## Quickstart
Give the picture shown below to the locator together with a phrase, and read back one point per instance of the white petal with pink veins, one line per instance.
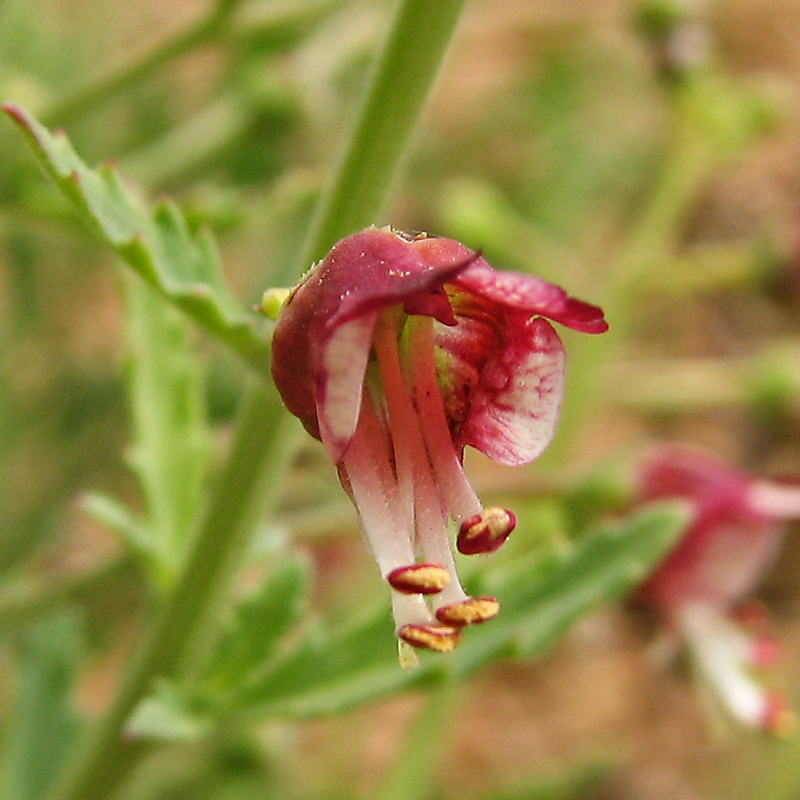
(516, 404)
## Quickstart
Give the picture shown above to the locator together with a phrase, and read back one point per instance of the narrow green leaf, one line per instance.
(333, 670)
(182, 267)
(580, 781)
(117, 517)
(259, 625)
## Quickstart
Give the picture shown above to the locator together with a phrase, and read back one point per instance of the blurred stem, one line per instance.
(412, 776)
(690, 163)
(654, 237)
(126, 75)
(30, 596)
(263, 439)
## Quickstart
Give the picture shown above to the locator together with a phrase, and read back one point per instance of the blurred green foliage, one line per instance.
(590, 163)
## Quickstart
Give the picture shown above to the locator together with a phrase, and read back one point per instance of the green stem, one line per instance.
(374, 152)
(263, 441)
(247, 485)
(689, 163)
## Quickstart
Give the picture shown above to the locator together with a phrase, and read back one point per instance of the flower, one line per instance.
(396, 352)
(701, 587)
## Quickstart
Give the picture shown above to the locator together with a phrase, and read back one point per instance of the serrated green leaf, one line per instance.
(604, 565)
(341, 668)
(259, 625)
(331, 671)
(171, 437)
(182, 267)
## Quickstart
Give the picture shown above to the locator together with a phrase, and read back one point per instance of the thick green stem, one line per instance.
(406, 69)
(247, 485)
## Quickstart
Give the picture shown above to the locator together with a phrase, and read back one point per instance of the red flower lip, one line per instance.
(319, 368)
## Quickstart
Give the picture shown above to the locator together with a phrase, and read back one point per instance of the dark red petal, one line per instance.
(294, 343)
(375, 269)
(362, 274)
(514, 290)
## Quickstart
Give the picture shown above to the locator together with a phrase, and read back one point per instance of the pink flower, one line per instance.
(700, 588)
(396, 352)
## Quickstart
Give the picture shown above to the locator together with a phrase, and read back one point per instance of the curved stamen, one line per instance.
(456, 490)
(778, 718)
(468, 612)
(411, 453)
(368, 468)
(720, 650)
(410, 609)
(400, 417)
(774, 499)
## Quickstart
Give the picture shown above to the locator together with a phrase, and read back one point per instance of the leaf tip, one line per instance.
(16, 112)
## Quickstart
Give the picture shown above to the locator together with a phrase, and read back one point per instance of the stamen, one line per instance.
(485, 532)
(368, 469)
(764, 651)
(410, 609)
(417, 478)
(419, 579)
(456, 490)
(752, 616)
(400, 417)
(468, 612)
(440, 638)
(412, 455)
(775, 500)
(717, 647)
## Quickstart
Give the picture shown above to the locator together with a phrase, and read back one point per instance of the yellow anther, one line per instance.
(440, 638)
(419, 579)
(468, 612)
